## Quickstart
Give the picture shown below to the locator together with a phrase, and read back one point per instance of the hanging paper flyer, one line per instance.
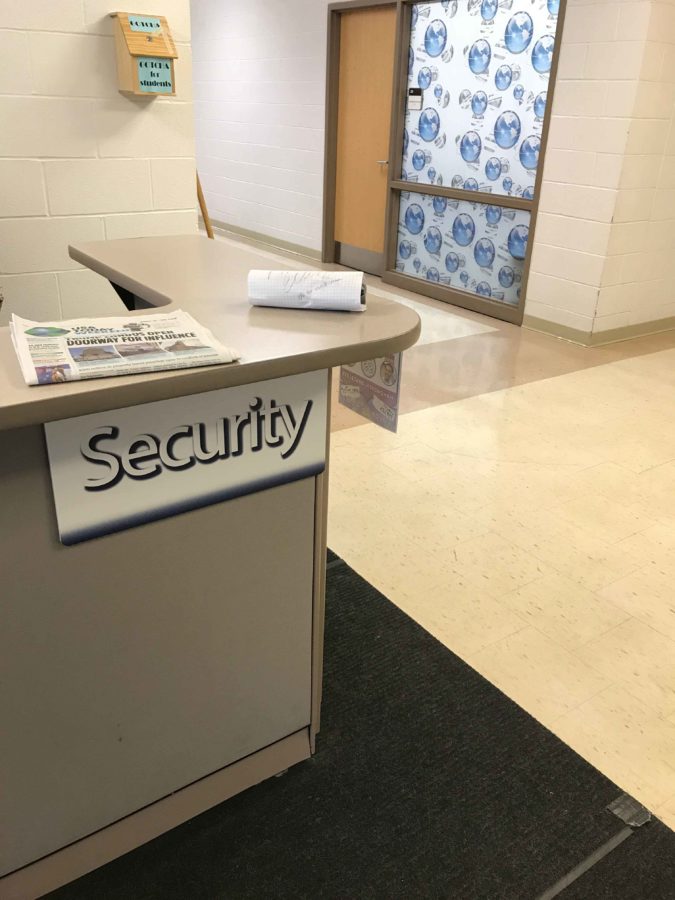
(372, 389)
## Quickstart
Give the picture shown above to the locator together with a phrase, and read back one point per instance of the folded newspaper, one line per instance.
(53, 352)
(344, 291)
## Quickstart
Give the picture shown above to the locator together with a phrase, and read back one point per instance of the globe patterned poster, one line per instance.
(483, 67)
(465, 245)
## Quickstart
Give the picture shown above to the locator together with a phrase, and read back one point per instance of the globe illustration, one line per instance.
(457, 181)
(540, 105)
(405, 249)
(553, 6)
(440, 204)
(528, 193)
(404, 176)
(413, 17)
(493, 168)
(435, 38)
(479, 57)
(470, 184)
(507, 129)
(493, 215)
(414, 218)
(542, 54)
(450, 6)
(464, 277)
(518, 91)
(484, 252)
(503, 77)
(433, 274)
(424, 77)
(488, 9)
(506, 276)
(529, 152)
(411, 59)
(417, 264)
(446, 99)
(463, 230)
(431, 174)
(464, 98)
(470, 146)
(419, 160)
(452, 262)
(433, 240)
(438, 91)
(479, 103)
(430, 123)
(484, 289)
(517, 241)
(518, 32)
(405, 141)
(507, 184)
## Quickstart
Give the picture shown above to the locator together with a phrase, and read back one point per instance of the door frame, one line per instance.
(335, 10)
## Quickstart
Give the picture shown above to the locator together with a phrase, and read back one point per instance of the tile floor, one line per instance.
(524, 514)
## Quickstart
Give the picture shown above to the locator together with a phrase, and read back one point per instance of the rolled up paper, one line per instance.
(307, 290)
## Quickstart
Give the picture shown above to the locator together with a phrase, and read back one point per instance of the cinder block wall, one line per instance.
(79, 161)
(603, 256)
(260, 81)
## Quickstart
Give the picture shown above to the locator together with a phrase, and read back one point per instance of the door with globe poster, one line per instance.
(464, 188)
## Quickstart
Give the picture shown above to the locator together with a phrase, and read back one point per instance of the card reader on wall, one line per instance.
(414, 98)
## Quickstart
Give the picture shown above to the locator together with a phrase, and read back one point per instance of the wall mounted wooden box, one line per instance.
(145, 54)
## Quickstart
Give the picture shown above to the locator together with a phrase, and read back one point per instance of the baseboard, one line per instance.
(575, 335)
(642, 329)
(272, 243)
(599, 338)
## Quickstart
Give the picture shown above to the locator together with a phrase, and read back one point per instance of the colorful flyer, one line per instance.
(372, 389)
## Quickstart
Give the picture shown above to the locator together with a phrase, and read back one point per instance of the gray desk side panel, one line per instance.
(136, 663)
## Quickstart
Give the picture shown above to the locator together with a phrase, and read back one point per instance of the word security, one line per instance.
(147, 455)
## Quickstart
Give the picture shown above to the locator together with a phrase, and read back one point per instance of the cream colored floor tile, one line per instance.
(563, 610)
(456, 612)
(647, 595)
(640, 658)
(624, 739)
(540, 675)
(495, 563)
(666, 813)
(603, 517)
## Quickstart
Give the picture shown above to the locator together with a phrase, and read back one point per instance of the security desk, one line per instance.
(154, 670)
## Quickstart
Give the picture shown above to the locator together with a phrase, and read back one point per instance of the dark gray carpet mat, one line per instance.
(428, 783)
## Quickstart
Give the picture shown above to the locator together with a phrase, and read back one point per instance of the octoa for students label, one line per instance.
(154, 75)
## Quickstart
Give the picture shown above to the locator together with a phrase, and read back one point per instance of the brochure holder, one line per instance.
(145, 53)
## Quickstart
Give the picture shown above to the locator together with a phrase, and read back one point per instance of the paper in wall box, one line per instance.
(125, 467)
(145, 53)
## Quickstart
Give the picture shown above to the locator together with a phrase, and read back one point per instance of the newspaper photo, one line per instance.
(54, 352)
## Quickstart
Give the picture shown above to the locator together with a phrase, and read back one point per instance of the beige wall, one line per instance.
(78, 161)
(606, 232)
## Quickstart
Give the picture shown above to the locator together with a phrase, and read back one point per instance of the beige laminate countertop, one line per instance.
(207, 279)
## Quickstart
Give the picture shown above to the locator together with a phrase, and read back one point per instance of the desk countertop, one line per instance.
(207, 279)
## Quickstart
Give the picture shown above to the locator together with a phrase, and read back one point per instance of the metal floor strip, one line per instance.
(632, 814)
(586, 864)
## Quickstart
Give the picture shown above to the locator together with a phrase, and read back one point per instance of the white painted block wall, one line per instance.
(79, 161)
(259, 83)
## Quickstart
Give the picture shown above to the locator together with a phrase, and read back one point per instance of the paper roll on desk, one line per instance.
(307, 290)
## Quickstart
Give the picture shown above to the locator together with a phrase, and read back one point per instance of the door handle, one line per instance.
(382, 162)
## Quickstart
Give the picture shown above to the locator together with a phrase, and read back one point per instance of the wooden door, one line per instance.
(365, 78)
